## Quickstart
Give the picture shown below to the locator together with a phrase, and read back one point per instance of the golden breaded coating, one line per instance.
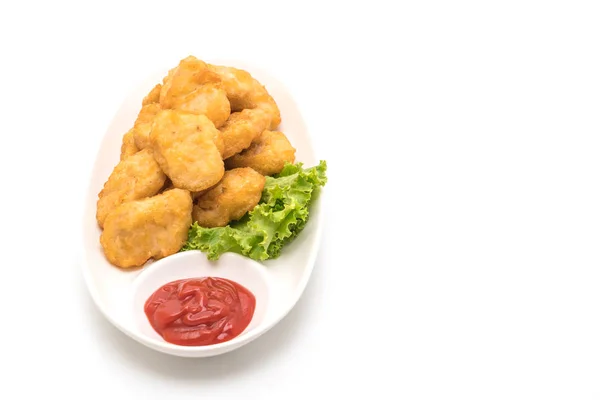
(128, 146)
(241, 129)
(267, 104)
(186, 148)
(190, 74)
(154, 227)
(195, 195)
(136, 177)
(207, 100)
(168, 77)
(204, 140)
(238, 84)
(267, 154)
(243, 91)
(153, 96)
(237, 193)
(143, 125)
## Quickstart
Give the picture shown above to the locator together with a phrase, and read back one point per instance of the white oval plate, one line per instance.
(277, 284)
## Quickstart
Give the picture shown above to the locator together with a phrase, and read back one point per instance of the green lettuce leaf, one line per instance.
(278, 218)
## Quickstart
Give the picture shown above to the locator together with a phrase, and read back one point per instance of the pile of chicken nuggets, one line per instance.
(199, 150)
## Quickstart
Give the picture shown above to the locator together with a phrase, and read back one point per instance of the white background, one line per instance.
(460, 257)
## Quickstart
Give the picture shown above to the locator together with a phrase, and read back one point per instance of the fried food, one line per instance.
(199, 149)
(237, 193)
(143, 125)
(128, 146)
(196, 195)
(136, 177)
(186, 146)
(243, 91)
(153, 227)
(241, 129)
(238, 84)
(270, 107)
(267, 154)
(207, 100)
(192, 87)
(153, 96)
(190, 74)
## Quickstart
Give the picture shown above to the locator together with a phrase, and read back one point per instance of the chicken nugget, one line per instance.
(186, 146)
(241, 129)
(267, 154)
(266, 103)
(143, 125)
(154, 227)
(153, 96)
(195, 195)
(237, 193)
(244, 91)
(128, 146)
(136, 177)
(189, 74)
(207, 100)
(238, 84)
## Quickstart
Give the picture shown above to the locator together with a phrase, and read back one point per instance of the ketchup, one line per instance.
(200, 311)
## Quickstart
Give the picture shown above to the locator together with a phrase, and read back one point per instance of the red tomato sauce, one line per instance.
(200, 311)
